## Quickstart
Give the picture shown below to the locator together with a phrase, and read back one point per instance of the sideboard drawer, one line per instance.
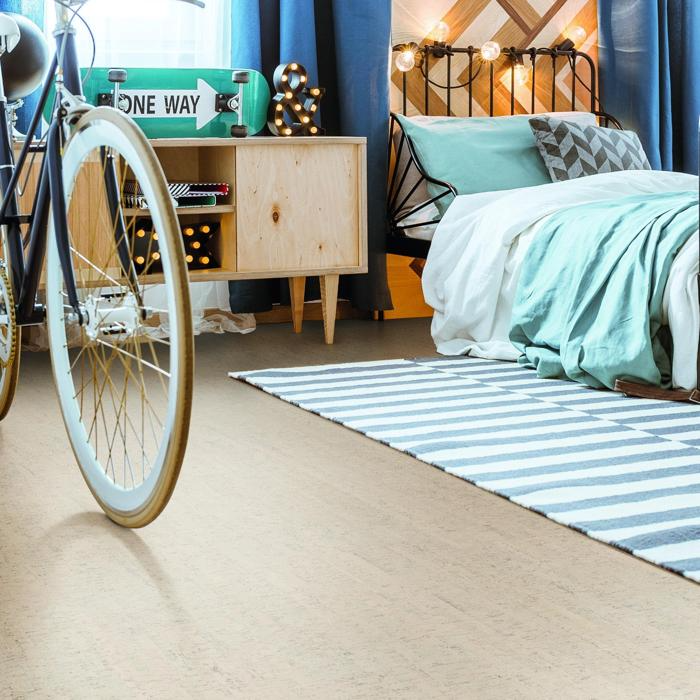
(299, 206)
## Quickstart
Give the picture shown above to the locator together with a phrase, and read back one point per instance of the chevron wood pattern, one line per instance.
(519, 23)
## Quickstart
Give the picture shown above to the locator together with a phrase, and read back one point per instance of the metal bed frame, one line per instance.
(403, 159)
(403, 162)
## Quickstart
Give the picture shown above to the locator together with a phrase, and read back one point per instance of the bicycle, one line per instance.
(114, 291)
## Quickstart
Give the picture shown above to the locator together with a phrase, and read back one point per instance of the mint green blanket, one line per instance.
(589, 300)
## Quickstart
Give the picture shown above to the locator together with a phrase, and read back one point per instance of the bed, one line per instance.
(491, 273)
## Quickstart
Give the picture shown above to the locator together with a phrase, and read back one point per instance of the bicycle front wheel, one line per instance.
(123, 365)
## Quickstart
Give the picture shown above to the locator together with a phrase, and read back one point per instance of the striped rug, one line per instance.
(624, 471)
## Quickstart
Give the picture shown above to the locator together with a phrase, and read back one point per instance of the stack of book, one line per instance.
(184, 194)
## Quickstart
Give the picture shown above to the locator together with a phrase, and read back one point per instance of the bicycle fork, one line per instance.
(60, 221)
(60, 214)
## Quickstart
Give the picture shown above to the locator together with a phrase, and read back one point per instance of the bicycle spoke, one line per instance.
(105, 363)
(96, 268)
(155, 368)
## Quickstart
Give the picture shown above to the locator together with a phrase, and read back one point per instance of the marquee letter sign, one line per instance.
(293, 108)
(198, 239)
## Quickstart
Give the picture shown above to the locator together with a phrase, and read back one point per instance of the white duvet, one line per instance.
(477, 252)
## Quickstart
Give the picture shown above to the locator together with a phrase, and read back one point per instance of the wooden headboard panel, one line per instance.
(518, 23)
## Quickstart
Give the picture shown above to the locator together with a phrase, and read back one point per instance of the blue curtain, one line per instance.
(34, 10)
(649, 63)
(345, 46)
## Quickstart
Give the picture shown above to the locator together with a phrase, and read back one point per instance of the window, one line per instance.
(153, 33)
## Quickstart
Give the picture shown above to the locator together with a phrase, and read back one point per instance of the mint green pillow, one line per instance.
(477, 154)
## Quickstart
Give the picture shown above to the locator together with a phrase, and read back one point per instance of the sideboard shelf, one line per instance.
(186, 211)
(296, 208)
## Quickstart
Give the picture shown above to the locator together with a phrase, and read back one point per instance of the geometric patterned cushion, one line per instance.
(570, 150)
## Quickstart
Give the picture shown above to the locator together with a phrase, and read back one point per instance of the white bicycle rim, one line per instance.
(117, 498)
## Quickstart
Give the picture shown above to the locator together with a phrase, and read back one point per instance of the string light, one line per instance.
(576, 34)
(522, 74)
(405, 60)
(440, 32)
(140, 233)
(490, 51)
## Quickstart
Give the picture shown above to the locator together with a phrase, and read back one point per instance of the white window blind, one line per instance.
(153, 33)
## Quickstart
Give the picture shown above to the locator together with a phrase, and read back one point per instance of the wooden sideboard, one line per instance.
(296, 209)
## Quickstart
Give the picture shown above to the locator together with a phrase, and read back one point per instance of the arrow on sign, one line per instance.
(171, 104)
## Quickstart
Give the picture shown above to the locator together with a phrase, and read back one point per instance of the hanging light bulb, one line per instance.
(405, 60)
(440, 32)
(522, 74)
(577, 34)
(490, 51)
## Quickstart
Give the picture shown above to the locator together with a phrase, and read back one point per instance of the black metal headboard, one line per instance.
(407, 175)
(514, 57)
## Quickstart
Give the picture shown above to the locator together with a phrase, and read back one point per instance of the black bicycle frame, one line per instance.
(26, 255)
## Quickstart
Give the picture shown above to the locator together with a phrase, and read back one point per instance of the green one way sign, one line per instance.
(181, 102)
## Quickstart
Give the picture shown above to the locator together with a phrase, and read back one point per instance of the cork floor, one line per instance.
(300, 559)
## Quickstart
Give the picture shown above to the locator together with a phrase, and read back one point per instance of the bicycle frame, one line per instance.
(49, 197)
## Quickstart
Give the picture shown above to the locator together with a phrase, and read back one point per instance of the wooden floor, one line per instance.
(299, 559)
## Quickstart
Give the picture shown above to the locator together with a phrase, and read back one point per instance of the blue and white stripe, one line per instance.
(625, 471)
